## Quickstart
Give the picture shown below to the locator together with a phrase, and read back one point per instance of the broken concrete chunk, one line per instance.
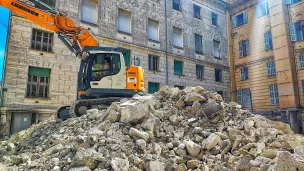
(192, 148)
(211, 141)
(119, 164)
(155, 166)
(211, 109)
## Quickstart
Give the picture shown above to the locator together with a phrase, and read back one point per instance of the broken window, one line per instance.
(38, 82)
(42, 40)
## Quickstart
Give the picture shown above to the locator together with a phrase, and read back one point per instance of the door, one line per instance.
(20, 121)
(246, 98)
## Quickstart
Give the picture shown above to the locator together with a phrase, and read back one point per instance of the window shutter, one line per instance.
(241, 49)
(266, 41)
(247, 47)
(245, 19)
(299, 31)
(233, 22)
(268, 68)
(246, 73)
(273, 68)
(266, 8)
(258, 11)
(270, 40)
(239, 96)
(40, 72)
(292, 30)
(178, 68)
(288, 2)
(302, 61)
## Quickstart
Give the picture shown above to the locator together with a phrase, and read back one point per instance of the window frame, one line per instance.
(274, 95)
(200, 71)
(199, 12)
(151, 59)
(179, 5)
(268, 44)
(271, 68)
(181, 38)
(182, 67)
(154, 84)
(244, 74)
(157, 31)
(301, 61)
(242, 48)
(96, 14)
(220, 75)
(235, 20)
(130, 21)
(30, 83)
(34, 30)
(198, 50)
(219, 49)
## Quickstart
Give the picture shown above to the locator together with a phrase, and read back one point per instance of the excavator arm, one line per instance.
(76, 38)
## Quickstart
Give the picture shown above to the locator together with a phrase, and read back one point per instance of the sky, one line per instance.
(4, 20)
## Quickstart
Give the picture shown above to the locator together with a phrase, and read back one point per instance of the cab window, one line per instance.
(105, 64)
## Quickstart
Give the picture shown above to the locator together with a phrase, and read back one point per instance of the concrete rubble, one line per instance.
(172, 130)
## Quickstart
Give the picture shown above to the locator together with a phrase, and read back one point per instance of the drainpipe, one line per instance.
(167, 63)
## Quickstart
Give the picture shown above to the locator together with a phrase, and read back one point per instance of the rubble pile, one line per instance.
(178, 130)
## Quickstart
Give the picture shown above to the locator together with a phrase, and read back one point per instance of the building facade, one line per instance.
(41, 73)
(266, 53)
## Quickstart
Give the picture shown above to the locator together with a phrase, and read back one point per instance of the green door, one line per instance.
(127, 54)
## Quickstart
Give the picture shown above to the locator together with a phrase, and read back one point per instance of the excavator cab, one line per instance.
(103, 75)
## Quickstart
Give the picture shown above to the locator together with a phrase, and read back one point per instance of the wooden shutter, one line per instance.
(239, 96)
(245, 17)
(273, 70)
(266, 41)
(247, 47)
(241, 49)
(292, 30)
(302, 61)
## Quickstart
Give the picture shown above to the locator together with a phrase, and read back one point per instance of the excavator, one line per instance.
(103, 77)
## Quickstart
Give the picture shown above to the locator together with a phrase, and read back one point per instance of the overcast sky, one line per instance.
(4, 20)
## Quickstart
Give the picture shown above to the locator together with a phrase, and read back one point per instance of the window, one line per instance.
(196, 11)
(89, 11)
(244, 48)
(153, 62)
(38, 82)
(152, 30)
(180, 87)
(50, 3)
(216, 49)
(302, 61)
(297, 31)
(214, 19)
(176, 4)
(199, 71)
(274, 97)
(271, 70)
(239, 20)
(198, 43)
(218, 75)
(178, 67)
(124, 21)
(153, 87)
(262, 10)
(244, 98)
(244, 74)
(289, 2)
(177, 37)
(268, 40)
(42, 40)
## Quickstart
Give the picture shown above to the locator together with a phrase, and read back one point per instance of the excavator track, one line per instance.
(79, 107)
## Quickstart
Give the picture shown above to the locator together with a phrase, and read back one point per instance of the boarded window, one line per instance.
(177, 37)
(176, 4)
(198, 43)
(244, 48)
(218, 75)
(244, 73)
(271, 70)
(274, 96)
(262, 10)
(239, 20)
(89, 11)
(178, 67)
(42, 40)
(216, 49)
(196, 11)
(214, 19)
(38, 82)
(268, 40)
(124, 21)
(153, 87)
(153, 30)
(199, 71)
(153, 62)
(302, 61)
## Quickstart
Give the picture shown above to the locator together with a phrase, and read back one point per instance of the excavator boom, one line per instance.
(76, 38)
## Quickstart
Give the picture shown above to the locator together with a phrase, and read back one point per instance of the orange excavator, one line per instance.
(103, 77)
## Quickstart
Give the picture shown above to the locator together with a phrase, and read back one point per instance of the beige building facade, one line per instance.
(266, 55)
(41, 73)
